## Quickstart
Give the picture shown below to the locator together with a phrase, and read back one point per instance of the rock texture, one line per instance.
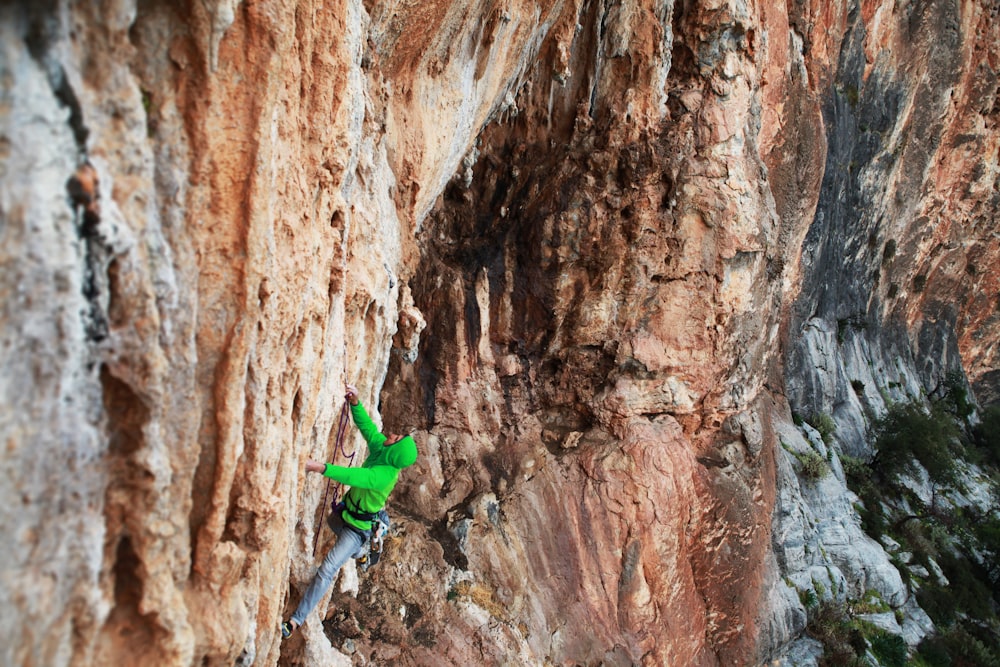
(593, 253)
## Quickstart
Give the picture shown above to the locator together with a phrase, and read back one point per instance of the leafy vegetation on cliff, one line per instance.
(949, 543)
(908, 435)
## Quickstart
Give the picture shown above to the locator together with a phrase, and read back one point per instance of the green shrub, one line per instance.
(890, 649)
(969, 592)
(824, 425)
(870, 603)
(968, 585)
(873, 521)
(937, 602)
(828, 623)
(808, 598)
(934, 652)
(987, 533)
(966, 649)
(857, 471)
(956, 396)
(813, 466)
(914, 533)
(986, 435)
(860, 481)
(907, 432)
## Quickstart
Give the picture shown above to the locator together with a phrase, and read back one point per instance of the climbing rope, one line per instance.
(338, 449)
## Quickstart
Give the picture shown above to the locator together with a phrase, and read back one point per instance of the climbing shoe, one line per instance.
(287, 629)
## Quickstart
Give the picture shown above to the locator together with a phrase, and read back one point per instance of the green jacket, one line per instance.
(374, 480)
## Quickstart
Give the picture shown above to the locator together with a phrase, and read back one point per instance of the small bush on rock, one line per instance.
(956, 396)
(986, 436)
(966, 649)
(908, 433)
(808, 598)
(890, 649)
(829, 624)
(870, 603)
(814, 467)
(824, 425)
(857, 471)
(933, 653)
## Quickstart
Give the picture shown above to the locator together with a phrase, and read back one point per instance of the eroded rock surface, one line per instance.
(594, 254)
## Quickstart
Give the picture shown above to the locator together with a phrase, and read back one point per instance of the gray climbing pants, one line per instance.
(349, 544)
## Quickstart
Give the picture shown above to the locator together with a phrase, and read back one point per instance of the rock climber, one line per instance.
(352, 519)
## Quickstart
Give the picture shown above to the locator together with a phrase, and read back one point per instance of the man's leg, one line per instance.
(348, 543)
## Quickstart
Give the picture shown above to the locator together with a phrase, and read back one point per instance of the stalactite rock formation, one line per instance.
(590, 253)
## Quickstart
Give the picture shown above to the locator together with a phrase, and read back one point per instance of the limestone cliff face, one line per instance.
(584, 249)
(906, 209)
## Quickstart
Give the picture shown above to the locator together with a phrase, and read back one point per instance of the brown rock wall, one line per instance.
(616, 287)
(950, 227)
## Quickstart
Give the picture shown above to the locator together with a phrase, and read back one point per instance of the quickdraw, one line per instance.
(338, 449)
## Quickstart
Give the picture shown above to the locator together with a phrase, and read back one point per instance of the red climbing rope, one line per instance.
(338, 449)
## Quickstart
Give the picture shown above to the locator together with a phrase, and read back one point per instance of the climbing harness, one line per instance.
(356, 512)
(380, 527)
(337, 450)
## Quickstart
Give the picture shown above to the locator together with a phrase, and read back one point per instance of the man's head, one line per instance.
(402, 450)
